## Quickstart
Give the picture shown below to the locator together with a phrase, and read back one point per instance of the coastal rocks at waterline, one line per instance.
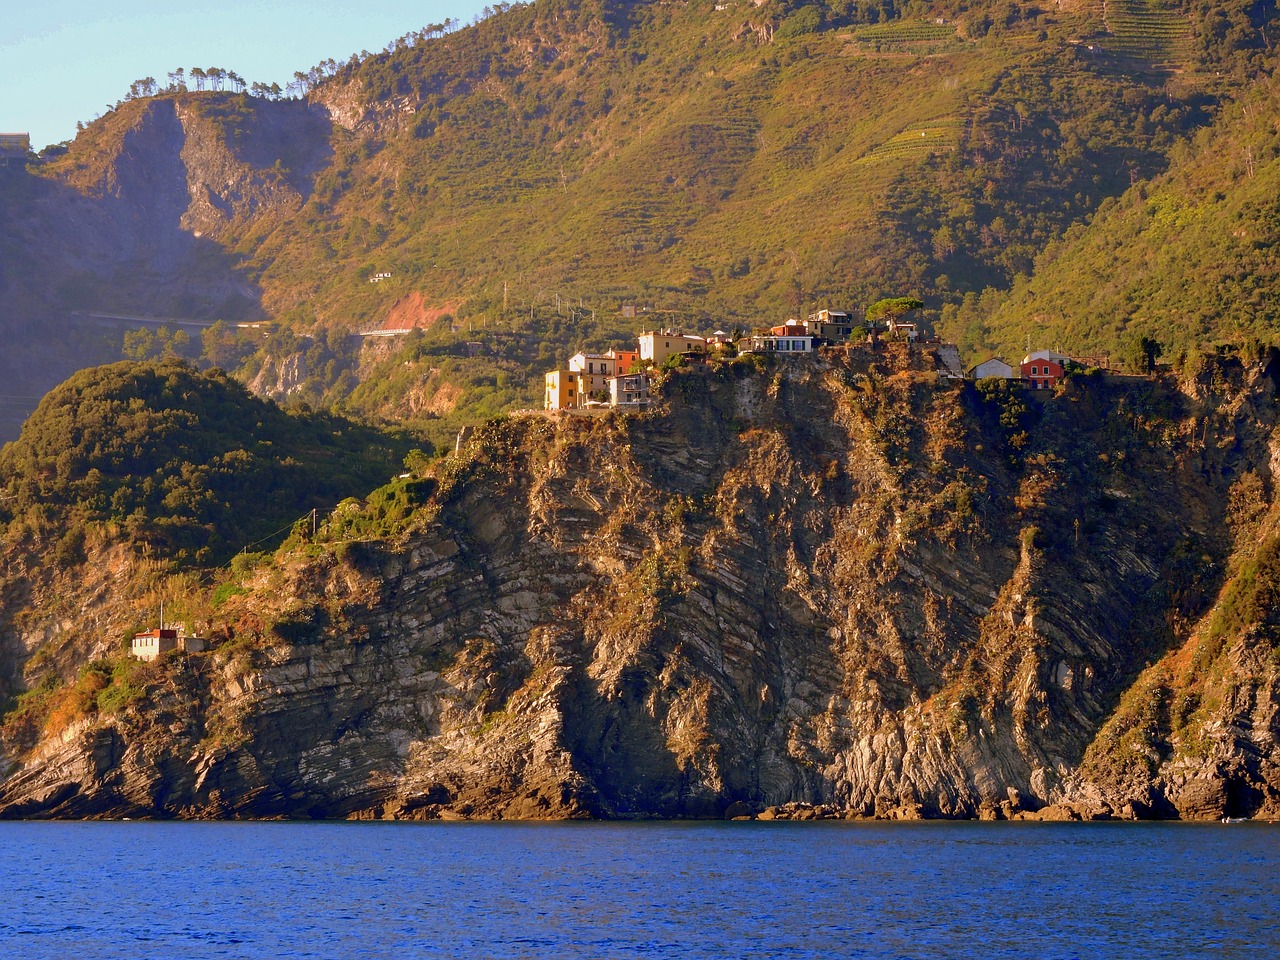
(828, 592)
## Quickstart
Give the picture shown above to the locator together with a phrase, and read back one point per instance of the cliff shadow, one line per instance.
(95, 247)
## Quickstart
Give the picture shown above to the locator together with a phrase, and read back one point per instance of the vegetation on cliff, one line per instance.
(733, 164)
(1188, 258)
(189, 463)
(852, 583)
(845, 581)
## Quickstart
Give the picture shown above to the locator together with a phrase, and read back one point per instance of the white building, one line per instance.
(791, 345)
(630, 390)
(604, 364)
(903, 330)
(151, 644)
(994, 367)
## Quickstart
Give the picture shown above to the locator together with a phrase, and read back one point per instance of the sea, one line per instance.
(684, 890)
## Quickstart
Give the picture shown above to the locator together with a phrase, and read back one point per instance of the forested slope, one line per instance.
(1188, 258)
(527, 176)
(188, 464)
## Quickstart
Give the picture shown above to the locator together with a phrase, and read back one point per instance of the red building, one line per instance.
(1043, 369)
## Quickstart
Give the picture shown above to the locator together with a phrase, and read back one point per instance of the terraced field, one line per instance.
(937, 136)
(1145, 30)
(904, 32)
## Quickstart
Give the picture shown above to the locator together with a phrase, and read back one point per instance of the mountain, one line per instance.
(1188, 258)
(845, 587)
(519, 181)
(852, 583)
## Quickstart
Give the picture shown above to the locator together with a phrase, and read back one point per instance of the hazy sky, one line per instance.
(68, 60)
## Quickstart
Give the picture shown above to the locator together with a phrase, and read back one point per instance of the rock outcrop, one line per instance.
(839, 589)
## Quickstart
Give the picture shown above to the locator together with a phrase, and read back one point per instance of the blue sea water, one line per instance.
(604, 890)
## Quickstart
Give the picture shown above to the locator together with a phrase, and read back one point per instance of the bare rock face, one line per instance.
(830, 590)
(280, 377)
(137, 223)
(243, 165)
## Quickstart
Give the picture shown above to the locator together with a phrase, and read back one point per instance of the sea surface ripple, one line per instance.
(601, 890)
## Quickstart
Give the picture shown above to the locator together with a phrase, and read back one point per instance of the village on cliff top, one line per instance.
(620, 379)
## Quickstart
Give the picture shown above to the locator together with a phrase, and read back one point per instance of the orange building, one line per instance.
(561, 390)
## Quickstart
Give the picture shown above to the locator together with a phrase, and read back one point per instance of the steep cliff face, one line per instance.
(139, 222)
(1195, 734)
(199, 164)
(850, 584)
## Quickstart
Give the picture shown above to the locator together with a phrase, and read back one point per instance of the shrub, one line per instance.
(224, 592)
(70, 549)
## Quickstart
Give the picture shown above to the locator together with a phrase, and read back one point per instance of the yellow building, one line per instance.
(562, 390)
(657, 345)
(834, 325)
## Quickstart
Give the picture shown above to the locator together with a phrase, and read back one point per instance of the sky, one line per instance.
(63, 61)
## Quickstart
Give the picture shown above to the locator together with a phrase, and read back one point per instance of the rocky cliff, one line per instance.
(849, 587)
(137, 223)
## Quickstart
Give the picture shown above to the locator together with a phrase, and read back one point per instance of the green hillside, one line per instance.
(528, 176)
(186, 462)
(1188, 258)
(642, 152)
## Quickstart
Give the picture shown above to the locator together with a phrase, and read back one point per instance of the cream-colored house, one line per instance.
(593, 363)
(151, 644)
(994, 367)
(631, 390)
(834, 325)
(593, 371)
(657, 345)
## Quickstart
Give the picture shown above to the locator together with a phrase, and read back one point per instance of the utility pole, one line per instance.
(504, 296)
(313, 523)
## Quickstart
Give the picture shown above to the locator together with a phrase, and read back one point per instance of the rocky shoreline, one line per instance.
(808, 593)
